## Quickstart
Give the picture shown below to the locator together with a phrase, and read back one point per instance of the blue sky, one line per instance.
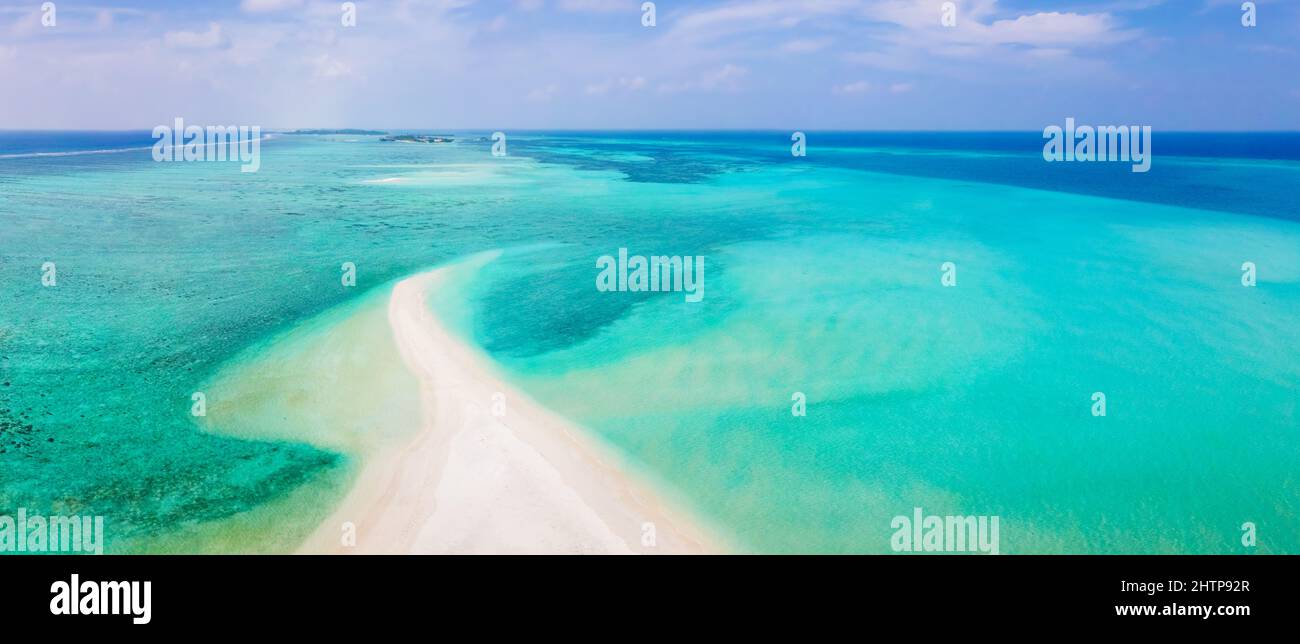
(590, 64)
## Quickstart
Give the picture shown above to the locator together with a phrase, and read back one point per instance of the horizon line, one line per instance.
(669, 130)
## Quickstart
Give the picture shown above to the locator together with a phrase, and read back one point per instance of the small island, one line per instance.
(420, 138)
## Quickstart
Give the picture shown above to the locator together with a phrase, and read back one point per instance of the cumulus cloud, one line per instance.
(978, 26)
(1050, 29)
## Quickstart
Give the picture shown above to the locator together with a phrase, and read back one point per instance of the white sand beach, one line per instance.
(467, 481)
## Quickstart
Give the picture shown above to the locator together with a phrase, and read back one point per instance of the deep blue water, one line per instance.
(14, 142)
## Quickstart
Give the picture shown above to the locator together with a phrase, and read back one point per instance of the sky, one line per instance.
(592, 64)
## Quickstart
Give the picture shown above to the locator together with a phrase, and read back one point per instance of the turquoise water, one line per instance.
(823, 277)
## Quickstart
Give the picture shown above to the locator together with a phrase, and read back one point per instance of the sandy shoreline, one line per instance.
(469, 481)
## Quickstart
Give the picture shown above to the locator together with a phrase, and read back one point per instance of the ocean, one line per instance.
(824, 278)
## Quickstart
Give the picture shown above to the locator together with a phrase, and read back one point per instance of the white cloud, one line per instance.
(599, 6)
(856, 87)
(726, 78)
(1270, 50)
(268, 6)
(896, 59)
(756, 16)
(976, 25)
(543, 94)
(628, 84)
(901, 88)
(1049, 53)
(327, 66)
(195, 40)
(1050, 29)
(805, 45)
(986, 35)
